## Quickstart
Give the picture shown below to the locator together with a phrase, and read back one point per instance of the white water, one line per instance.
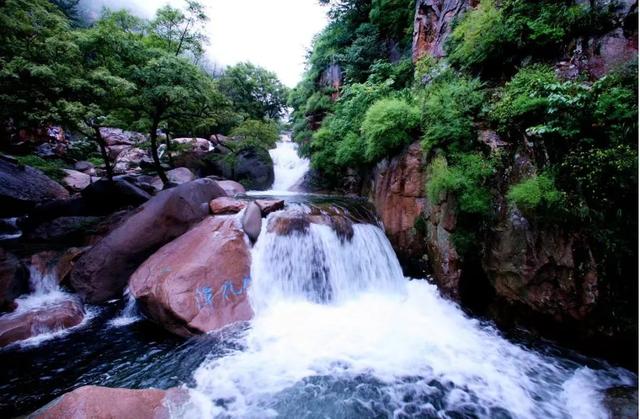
(376, 345)
(129, 314)
(288, 166)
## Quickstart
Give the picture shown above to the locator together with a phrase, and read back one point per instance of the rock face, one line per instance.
(254, 168)
(102, 272)
(226, 205)
(198, 282)
(114, 195)
(398, 195)
(104, 402)
(14, 280)
(52, 317)
(622, 402)
(549, 271)
(432, 25)
(56, 264)
(22, 187)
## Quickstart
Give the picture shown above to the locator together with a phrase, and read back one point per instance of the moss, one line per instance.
(52, 168)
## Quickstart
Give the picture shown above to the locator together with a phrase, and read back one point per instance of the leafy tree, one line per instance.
(180, 32)
(254, 91)
(256, 132)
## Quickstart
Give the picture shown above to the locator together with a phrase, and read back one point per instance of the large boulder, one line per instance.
(22, 187)
(114, 195)
(176, 176)
(231, 187)
(198, 282)
(130, 160)
(196, 145)
(226, 205)
(14, 280)
(55, 264)
(117, 136)
(252, 221)
(77, 181)
(102, 272)
(52, 317)
(104, 402)
(253, 167)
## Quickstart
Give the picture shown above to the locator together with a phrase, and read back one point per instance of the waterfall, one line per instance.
(288, 167)
(129, 314)
(338, 332)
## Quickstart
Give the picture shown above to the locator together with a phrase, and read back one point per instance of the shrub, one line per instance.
(466, 179)
(388, 125)
(254, 132)
(536, 192)
(449, 107)
(525, 98)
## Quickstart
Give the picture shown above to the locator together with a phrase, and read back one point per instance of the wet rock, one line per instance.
(176, 176)
(52, 317)
(253, 167)
(77, 181)
(252, 221)
(56, 264)
(287, 224)
(198, 282)
(98, 402)
(294, 221)
(14, 280)
(102, 272)
(63, 229)
(22, 187)
(268, 206)
(226, 205)
(622, 402)
(231, 187)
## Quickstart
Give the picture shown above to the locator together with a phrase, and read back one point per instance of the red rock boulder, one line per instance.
(231, 187)
(225, 205)
(102, 272)
(198, 282)
(268, 206)
(104, 402)
(52, 317)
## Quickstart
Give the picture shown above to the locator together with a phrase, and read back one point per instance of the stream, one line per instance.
(338, 332)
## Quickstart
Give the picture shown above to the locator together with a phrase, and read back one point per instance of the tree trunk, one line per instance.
(167, 142)
(153, 136)
(103, 151)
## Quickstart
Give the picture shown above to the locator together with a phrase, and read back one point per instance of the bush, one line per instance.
(450, 105)
(525, 99)
(254, 132)
(388, 125)
(466, 179)
(535, 193)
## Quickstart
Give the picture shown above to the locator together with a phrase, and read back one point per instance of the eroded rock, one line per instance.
(198, 282)
(225, 205)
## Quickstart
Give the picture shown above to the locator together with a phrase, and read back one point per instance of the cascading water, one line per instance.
(288, 166)
(129, 314)
(338, 332)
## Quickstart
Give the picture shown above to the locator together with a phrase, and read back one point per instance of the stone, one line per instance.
(14, 280)
(114, 195)
(130, 159)
(83, 166)
(22, 187)
(197, 145)
(231, 187)
(254, 168)
(198, 282)
(21, 325)
(102, 273)
(104, 402)
(77, 181)
(621, 402)
(399, 198)
(252, 221)
(269, 206)
(226, 205)
(176, 176)
(117, 136)
(56, 264)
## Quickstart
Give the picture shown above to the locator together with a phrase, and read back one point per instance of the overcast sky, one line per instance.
(274, 34)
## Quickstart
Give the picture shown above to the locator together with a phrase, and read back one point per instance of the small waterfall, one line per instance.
(319, 266)
(287, 165)
(9, 229)
(129, 314)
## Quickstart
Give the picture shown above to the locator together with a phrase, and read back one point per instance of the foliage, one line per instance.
(254, 91)
(180, 32)
(535, 192)
(263, 134)
(50, 167)
(450, 105)
(388, 125)
(466, 179)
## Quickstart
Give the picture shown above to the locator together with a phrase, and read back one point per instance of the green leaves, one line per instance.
(537, 192)
(388, 125)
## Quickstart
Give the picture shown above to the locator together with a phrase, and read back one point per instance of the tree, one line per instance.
(180, 32)
(171, 88)
(254, 91)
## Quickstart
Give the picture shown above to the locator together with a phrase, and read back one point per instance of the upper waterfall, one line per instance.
(288, 166)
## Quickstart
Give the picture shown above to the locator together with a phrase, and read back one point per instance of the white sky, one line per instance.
(274, 34)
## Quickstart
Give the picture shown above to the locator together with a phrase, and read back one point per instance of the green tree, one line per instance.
(180, 32)
(254, 91)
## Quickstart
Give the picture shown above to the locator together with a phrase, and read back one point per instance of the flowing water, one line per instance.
(338, 332)
(289, 167)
